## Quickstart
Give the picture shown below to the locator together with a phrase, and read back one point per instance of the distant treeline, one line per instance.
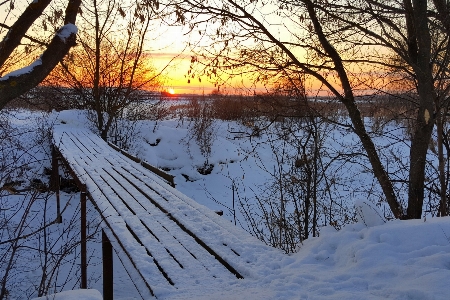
(236, 107)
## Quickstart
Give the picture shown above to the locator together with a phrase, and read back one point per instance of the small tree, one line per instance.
(105, 74)
(201, 128)
(33, 244)
(298, 198)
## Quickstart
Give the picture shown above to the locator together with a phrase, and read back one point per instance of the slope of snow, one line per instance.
(397, 260)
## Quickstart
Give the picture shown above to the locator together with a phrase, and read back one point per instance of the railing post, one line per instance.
(54, 183)
(107, 257)
(83, 238)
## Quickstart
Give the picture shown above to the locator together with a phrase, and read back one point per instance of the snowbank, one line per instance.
(397, 260)
(74, 295)
(368, 214)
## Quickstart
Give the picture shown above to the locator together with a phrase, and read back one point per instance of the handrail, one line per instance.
(166, 176)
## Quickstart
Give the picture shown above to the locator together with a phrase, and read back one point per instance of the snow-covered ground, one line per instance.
(371, 259)
(89, 294)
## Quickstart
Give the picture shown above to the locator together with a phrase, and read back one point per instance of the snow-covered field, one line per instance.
(371, 259)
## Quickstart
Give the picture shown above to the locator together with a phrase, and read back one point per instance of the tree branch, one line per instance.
(20, 27)
(17, 83)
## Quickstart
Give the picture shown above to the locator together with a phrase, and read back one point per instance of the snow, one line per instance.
(22, 71)
(66, 31)
(397, 260)
(368, 214)
(126, 208)
(63, 33)
(88, 294)
(370, 259)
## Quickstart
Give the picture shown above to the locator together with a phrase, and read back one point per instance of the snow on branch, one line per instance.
(20, 81)
(66, 31)
(22, 71)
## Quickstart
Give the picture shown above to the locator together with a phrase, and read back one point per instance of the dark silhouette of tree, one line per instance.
(21, 81)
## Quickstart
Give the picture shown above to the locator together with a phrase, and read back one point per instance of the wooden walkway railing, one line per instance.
(168, 243)
(169, 178)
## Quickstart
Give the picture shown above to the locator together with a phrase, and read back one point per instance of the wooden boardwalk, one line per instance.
(168, 243)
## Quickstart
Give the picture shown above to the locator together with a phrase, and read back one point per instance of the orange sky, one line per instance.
(176, 75)
(166, 48)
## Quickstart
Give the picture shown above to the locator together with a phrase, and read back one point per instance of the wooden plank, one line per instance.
(233, 241)
(132, 251)
(177, 241)
(83, 238)
(127, 210)
(195, 272)
(166, 176)
(136, 277)
(150, 195)
(229, 247)
(114, 146)
(135, 159)
(97, 144)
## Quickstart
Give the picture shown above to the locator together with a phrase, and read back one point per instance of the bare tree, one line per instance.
(106, 74)
(300, 195)
(29, 229)
(38, 254)
(202, 129)
(336, 44)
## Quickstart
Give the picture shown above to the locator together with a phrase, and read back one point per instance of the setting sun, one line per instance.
(171, 91)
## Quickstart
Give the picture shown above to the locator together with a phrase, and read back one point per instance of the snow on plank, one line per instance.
(164, 244)
(176, 241)
(129, 221)
(167, 264)
(128, 248)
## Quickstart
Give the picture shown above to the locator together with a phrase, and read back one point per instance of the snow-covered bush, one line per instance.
(368, 214)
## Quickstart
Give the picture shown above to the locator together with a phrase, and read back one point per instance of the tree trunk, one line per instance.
(419, 32)
(20, 27)
(418, 152)
(440, 145)
(96, 86)
(355, 116)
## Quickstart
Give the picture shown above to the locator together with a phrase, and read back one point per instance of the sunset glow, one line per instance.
(171, 91)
